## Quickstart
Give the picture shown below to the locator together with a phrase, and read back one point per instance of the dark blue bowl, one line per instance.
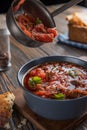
(49, 108)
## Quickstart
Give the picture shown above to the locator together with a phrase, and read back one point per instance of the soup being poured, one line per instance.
(35, 29)
(57, 80)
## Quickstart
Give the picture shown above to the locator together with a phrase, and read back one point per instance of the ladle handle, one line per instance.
(65, 6)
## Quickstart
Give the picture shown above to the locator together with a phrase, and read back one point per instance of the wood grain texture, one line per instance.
(42, 123)
(21, 54)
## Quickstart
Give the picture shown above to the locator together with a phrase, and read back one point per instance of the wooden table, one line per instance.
(21, 54)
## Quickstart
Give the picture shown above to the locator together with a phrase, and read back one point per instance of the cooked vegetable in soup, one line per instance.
(35, 29)
(57, 80)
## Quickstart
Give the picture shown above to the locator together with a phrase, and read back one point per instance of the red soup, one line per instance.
(35, 29)
(57, 81)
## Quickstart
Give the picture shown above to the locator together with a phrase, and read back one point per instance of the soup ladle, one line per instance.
(38, 10)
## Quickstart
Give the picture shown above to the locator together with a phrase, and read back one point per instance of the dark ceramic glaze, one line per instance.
(49, 108)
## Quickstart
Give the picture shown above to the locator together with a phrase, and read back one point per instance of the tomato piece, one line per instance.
(22, 18)
(40, 93)
(43, 37)
(21, 26)
(29, 34)
(52, 30)
(43, 94)
(40, 72)
(33, 72)
(40, 28)
(42, 75)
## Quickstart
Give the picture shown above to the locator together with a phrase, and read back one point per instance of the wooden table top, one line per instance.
(21, 54)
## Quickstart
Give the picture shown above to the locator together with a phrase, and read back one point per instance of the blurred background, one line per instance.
(5, 4)
(50, 2)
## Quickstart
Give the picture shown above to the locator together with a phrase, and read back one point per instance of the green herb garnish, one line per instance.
(59, 96)
(38, 21)
(73, 73)
(34, 80)
(31, 83)
(37, 80)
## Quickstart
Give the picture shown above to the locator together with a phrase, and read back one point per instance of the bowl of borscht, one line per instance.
(55, 87)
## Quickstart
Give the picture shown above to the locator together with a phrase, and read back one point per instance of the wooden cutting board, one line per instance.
(39, 122)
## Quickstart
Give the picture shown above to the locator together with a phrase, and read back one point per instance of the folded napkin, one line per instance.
(63, 38)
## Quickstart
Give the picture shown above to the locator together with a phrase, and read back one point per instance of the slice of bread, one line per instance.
(6, 104)
(78, 19)
(77, 27)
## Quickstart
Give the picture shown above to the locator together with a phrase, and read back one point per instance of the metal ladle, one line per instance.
(38, 10)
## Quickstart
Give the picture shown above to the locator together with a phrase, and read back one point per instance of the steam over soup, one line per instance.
(55, 80)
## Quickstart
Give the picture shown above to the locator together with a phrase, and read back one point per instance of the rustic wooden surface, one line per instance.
(21, 54)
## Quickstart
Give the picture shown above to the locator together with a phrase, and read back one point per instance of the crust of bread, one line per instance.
(78, 19)
(77, 27)
(6, 104)
(77, 33)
